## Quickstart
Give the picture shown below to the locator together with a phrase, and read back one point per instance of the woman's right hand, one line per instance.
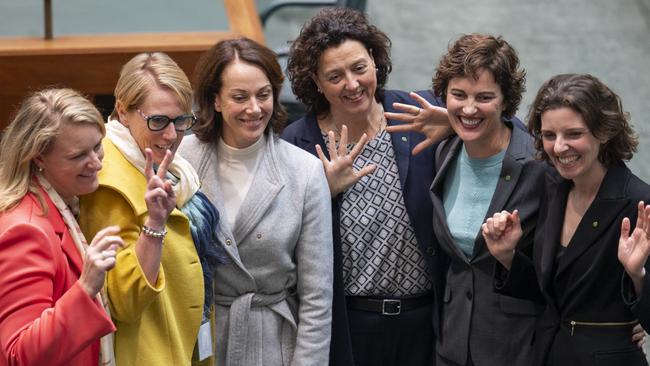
(502, 232)
(429, 120)
(339, 170)
(159, 197)
(99, 259)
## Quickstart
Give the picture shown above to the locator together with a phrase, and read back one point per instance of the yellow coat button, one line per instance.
(594, 224)
(508, 177)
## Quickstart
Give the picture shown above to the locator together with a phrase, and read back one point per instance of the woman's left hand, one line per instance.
(634, 249)
(159, 197)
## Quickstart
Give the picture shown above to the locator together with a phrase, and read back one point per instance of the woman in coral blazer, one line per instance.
(50, 310)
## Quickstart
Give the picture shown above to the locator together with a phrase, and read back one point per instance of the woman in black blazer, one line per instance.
(589, 266)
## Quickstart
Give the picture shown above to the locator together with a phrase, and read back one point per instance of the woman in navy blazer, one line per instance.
(592, 298)
(338, 67)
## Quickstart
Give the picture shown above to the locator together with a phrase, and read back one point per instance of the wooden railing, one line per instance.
(91, 64)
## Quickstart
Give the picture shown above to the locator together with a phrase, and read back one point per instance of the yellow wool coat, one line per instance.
(157, 323)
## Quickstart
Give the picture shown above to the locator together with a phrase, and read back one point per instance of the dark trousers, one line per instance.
(406, 339)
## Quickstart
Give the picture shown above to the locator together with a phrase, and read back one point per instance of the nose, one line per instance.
(169, 132)
(254, 106)
(95, 162)
(560, 145)
(351, 82)
(470, 107)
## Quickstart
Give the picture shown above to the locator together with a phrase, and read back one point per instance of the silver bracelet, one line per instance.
(153, 233)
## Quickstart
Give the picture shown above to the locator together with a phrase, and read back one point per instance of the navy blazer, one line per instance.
(588, 284)
(416, 174)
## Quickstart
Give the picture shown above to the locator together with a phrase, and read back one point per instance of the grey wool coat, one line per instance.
(273, 297)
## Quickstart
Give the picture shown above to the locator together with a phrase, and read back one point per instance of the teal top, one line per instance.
(468, 189)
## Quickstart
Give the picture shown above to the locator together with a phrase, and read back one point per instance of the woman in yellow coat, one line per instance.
(160, 291)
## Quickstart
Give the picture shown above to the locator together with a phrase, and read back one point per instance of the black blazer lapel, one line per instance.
(440, 227)
(510, 175)
(600, 215)
(547, 237)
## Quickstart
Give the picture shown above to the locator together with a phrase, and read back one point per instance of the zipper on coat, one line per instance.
(600, 324)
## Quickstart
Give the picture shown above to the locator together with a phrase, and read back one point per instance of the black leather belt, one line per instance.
(388, 306)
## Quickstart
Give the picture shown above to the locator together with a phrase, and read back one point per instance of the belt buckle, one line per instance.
(391, 307)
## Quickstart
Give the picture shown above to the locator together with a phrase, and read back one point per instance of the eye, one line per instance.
(574, 134)
(265, 95)
(239, 98)
(360, 68)
(548, 136)
(457, 94)
(334, 78)
(485, 98)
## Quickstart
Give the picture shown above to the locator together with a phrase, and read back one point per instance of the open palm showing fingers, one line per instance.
(339, 169)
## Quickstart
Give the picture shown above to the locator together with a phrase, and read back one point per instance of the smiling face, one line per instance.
(245, 102)
(159, 101)
(347, 78)
(571, 147)
(475, 107)
(72, 162)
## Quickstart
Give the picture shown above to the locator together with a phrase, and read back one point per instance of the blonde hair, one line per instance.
(147, 69)
(31, 133)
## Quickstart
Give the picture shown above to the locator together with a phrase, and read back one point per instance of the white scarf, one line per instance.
(106, 355)
(188, 182)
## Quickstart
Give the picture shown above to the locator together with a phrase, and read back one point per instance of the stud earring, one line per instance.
(40, 169)
(319, 91)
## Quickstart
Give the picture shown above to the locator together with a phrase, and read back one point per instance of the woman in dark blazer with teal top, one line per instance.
(589, 264)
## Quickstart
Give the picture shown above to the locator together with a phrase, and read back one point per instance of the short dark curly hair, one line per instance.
(208, 83)
(472, 53)
(330, 28)
(600, 108)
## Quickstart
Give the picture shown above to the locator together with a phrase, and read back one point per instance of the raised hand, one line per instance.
(633, 250)
(159, 197)
(502, 232)
(339, 170)
(99, 258)
(429, 120)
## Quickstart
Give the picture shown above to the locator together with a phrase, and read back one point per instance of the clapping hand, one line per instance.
(633, 250)
(429, 120)
(99, 258)
(159, 197)
(502, 232)
(339, 169)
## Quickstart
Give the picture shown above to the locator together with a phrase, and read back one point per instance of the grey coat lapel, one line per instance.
(207, 172)
(266, 185)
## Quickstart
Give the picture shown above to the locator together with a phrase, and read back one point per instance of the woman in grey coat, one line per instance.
(273, 298)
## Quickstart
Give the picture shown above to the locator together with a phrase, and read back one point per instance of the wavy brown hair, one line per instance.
(330, 28)
(600, 108)
(472, 53)
(208, 82)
